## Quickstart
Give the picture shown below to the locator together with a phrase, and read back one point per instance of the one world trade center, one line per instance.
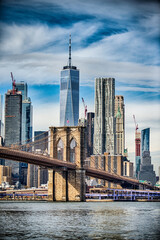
(69, 94)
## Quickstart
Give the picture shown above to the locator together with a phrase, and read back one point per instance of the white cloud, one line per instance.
(45, 116)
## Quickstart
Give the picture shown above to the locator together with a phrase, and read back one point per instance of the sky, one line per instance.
(110, 38)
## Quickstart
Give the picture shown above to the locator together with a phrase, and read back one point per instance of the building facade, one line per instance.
(1, 117)
(120, 124)
(104, 122)
(145, 139)
(90, 133)
(146, 172)
(13, 126)
(69, 94)
(27, 122)
(110, 163)
(38, 175)
(137, 152)
(26, 112)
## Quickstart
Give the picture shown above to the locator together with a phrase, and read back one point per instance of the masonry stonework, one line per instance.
(67, 184)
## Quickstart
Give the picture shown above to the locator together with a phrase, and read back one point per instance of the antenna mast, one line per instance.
(70, 51)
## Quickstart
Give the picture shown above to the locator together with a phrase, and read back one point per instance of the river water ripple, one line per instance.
(88, 220)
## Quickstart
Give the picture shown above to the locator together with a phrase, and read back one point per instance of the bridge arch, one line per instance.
(73, 148)
(60, 149)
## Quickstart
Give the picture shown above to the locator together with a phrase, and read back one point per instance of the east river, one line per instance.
(89, 220)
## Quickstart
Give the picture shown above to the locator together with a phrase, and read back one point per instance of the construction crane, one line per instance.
(136, 125)
(13, 84)
(85, 108)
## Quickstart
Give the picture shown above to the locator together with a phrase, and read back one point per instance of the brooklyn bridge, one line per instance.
(67, 174)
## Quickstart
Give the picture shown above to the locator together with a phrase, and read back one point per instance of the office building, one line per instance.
(127, 168)
(106, 162)
(145, 139)
(26, 112)
(26, 134)
(90, 133)
(1, 117)
(69, 94)
(38, 175)
(146, 172)
(5, 174)
(120, 124)
(13, 126)
(104, 122)
(137, 152)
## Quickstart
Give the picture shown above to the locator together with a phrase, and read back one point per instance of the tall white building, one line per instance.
(104, 122)
(120, 124)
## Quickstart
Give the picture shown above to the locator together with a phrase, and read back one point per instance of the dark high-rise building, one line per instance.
(23, 88)
(145, 138)
(146, 172)
(1, 116)
(26, 112)
(13, 126)
(146, 168)
(69, 94)
(26, 134)
(90, 132)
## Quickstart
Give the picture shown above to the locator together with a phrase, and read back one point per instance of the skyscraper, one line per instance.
(104, 123)
(146, 168)
(69, 94)
(120, 124)
(90, 132)
(13, 125)
(1, 116)
(137, 151)
(145, 138)
(26, 111)
(26, 130)
(37, 175)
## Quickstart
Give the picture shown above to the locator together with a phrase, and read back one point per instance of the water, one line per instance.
(89, 220)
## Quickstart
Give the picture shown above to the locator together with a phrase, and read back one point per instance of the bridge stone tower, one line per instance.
(67, 144)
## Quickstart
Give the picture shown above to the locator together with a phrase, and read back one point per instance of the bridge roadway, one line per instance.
(46, 161)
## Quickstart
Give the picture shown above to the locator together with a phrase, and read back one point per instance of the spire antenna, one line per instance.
(70, 51)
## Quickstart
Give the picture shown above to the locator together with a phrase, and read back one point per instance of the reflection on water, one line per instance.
(98, 220)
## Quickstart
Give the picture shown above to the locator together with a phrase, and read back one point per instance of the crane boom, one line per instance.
(13, 84)
(136, 125)
(85, 107)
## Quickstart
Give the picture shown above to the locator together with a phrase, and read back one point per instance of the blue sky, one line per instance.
(110, 38)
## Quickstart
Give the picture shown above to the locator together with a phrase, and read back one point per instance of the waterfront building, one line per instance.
(1, 117)
(145, 139)
(26, 134)
(104, 122)
(146, 172)
(5, 174)
(69, 94)
(13, 126)
(90, 133)
(127, 168)
(106, 162)
(38, 175)
(120, 124)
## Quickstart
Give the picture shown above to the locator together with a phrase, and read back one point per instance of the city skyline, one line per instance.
(108, 41)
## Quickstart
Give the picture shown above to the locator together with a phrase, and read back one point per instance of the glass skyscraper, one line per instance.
(69, 94)
(145, 137)
(26, 112)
